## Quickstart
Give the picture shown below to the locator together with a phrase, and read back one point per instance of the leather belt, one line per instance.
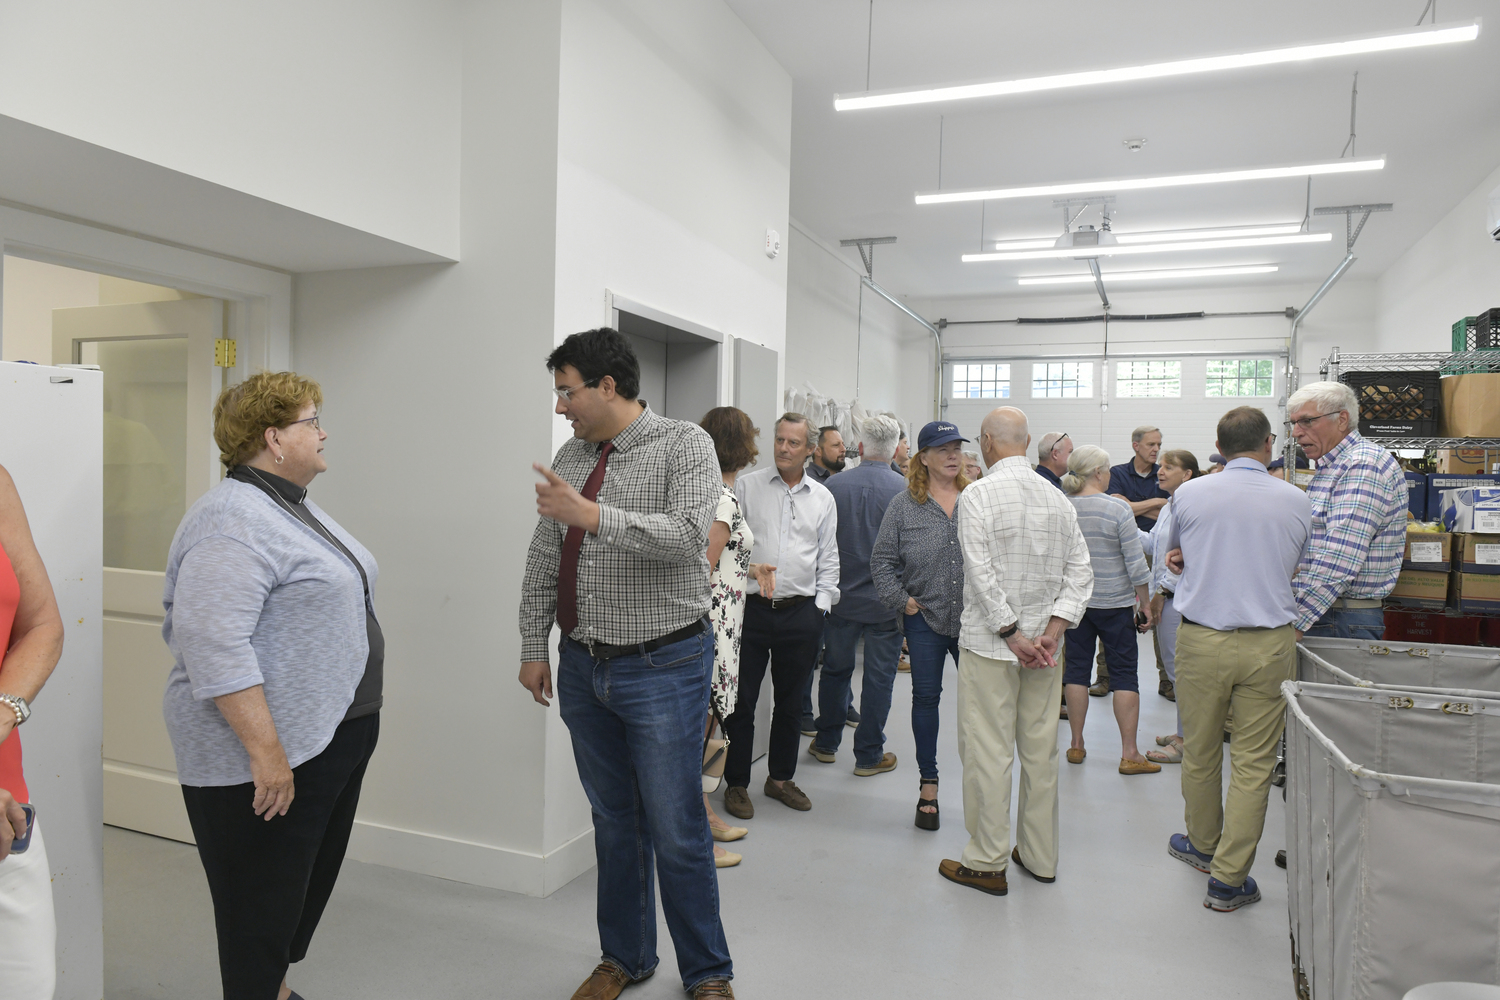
(1357, 602)
(778, 603)
(603, 651)
(1241, 628)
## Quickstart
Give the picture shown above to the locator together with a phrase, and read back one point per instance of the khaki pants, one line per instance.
(1005, 712)
(1219, 672)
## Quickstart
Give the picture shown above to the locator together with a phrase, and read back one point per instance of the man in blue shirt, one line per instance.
(862, 495)
(1052, 456)
(1237, 539)
(1135, 482)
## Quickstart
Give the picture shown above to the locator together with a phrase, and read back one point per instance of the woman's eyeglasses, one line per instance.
(310, 420)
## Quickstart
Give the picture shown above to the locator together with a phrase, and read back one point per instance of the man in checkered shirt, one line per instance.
(1027, 578)
(1359, 507)
(619, 560)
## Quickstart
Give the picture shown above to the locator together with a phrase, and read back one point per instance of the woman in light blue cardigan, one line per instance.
(273, 701)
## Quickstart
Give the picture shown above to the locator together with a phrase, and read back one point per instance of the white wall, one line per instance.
(32, 290)
(674, 158)
(346, 110)
(1450, 273)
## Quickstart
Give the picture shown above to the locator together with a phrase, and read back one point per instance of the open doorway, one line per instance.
(679, 367)
(155, 346)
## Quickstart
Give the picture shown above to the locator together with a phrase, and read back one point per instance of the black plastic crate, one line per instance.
(1396, 404)
(1487, 330)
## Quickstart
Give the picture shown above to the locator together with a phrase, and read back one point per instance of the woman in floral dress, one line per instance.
(729, 542)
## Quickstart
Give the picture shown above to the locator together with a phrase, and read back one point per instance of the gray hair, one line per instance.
(1327, 397)
(1083, 465)
(1139, 434)
(880, 433)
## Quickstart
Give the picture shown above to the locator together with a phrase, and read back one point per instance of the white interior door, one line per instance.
(160, 382)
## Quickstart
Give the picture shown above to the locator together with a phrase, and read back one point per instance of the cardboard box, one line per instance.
(1437, 482)
(1416, 495)
(1462, 461)
(1418, 589)
(1475, 593)
(1471, 406)
(1430, 551)
(1402, 625)
(1476, 553)
(1475, 510)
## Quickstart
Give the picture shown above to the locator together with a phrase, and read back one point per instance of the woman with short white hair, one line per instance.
(1120, 578)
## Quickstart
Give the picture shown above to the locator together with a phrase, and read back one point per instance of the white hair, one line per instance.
(880, 433)
(1083, 465)
(1326, 397)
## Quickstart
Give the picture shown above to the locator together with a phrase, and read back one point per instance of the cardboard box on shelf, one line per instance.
(1430, 551)
(1463, 461)
(1471, 406)
(1473, 510)
(1437, 482)
(1475, 593)
(1477, 553)
(1420, 589)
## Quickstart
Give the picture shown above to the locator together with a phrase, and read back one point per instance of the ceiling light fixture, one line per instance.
(1111, 251)
(1166, 236)
(1266, 57)
(1164, 274)
(1143, 183)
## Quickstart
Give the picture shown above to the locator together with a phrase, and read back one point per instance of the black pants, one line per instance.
(271, 880)
(788, 638)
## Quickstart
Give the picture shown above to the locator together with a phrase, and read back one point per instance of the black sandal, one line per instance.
(927, 820)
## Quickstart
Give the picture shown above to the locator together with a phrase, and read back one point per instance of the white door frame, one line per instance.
(259, 298)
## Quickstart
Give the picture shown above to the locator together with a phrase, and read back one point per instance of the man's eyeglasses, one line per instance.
(310, 420)
(566, 391)
(1306, 422)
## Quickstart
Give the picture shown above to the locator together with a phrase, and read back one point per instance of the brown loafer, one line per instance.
(1076, 756)
(990, 882)
(1015, 858)
(1138, 766)
(789, 795)
(607, 982)
(737, 802)
(713, 988)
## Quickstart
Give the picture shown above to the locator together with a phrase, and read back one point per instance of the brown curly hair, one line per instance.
(244, 412)
(734, 437)
(916, 478)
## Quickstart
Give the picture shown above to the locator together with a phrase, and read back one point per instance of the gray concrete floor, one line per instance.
(842, 901)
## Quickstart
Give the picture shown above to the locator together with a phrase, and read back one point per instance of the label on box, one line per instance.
(1484, 555)
(1432, 552)
(1487, 520)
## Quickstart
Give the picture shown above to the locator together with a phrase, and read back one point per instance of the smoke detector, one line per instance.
(1134, 145)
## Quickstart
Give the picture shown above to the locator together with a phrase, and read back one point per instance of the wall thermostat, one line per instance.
(773, 243)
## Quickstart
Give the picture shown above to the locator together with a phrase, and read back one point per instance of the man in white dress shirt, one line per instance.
(795, 524)
(1027, 578)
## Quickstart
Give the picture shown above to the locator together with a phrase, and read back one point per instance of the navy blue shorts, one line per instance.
(1115, 628)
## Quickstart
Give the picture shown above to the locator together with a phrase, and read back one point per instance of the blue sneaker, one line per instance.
(1183, 850)
(1225, 898)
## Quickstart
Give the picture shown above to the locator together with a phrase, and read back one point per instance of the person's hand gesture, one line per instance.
(12, 822)
(557, 499)
(765, 579)
(274, 785)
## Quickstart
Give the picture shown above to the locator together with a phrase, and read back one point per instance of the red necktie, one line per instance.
(567, 570)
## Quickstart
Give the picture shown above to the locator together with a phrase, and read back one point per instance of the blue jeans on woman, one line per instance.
(1350, 623)
(927, 649)
(637, 727)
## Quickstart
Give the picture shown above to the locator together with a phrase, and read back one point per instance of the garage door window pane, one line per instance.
(1149, 379)
(1062, 379)
(1241, 377)
(981, 381)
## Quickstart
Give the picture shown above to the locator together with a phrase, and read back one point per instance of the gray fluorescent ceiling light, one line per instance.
(1143, 183)
(1166, 236)
(1408, 39)
(1111, 251)
(1165, 274)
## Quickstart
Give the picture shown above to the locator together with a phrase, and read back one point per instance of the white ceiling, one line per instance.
(1434, 113)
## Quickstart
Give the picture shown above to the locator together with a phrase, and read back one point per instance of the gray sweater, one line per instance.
(254, 596)
(1114, 548)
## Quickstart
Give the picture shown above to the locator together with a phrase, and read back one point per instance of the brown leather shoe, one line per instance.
(713, 988)
(788, 794)
(990, 882)
(607, 982)
(1100, 688)
(737, 802)
(1015, 859)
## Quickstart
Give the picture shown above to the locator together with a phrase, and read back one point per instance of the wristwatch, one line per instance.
(1010, 631)
(18, 705)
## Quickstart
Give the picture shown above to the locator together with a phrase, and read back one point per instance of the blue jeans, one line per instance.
(637, 728)
(882, 651)
(928, 650)
(1350, 623)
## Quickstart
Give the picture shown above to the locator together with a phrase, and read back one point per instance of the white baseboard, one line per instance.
(473, 863)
